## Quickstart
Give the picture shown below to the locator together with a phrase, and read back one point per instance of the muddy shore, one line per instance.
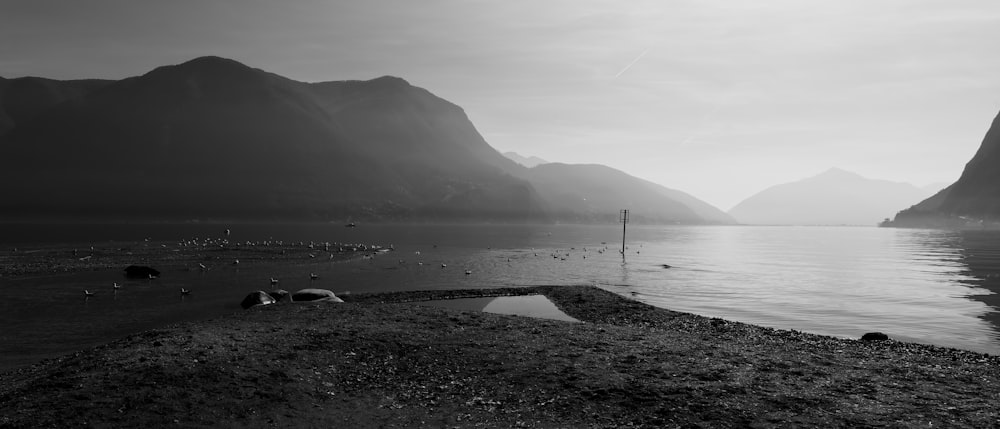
(376, 361)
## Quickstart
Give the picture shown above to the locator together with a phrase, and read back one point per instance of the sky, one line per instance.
(720, 99)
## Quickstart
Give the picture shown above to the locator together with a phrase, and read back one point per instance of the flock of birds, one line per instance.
(370, 252)
(313, 247)
(115, 286)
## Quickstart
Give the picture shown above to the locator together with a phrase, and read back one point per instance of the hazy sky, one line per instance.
(716, 98)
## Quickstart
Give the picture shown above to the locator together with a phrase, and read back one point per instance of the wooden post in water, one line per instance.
(623, 218)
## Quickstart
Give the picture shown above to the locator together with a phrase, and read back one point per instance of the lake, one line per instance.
(927, 286)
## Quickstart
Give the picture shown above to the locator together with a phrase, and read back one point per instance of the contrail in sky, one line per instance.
(632, 63)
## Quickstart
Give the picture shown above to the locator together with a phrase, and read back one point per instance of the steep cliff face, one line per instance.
(973, 200)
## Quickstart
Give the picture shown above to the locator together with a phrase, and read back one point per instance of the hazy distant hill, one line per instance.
(214, 139)
(595, 193)
(529, 162)
(835, 197)
(972, 201)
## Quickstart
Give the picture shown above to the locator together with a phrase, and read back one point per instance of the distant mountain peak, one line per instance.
(390, 80)
(834, 197)
(208, 68)
(209, 64)
(527, 161)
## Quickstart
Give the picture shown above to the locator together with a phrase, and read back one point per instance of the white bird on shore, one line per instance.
(87, 293)
(202, 266)
(443, 265)
(468, 272)
(185, 291)
(236, 262)
(116, 286)
(274, 281)
(313, 276)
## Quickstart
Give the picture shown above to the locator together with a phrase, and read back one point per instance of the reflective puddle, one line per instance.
(527, 305)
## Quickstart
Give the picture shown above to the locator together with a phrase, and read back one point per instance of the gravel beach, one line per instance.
(379, 361)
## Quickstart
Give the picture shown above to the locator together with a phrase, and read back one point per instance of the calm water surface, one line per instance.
(936, 287)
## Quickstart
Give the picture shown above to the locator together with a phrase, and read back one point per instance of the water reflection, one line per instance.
(980, 254)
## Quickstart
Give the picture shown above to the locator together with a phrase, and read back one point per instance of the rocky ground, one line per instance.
(377, 361)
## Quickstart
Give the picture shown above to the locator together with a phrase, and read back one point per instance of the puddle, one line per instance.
(537, 306)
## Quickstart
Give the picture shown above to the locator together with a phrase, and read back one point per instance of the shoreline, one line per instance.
(374, 361)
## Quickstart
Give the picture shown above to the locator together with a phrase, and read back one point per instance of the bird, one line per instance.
(313, 276)
(185, 291)
(443, 265)
(236, 262)
(151, 277)
(468, 272)
(87, 293)
(116, 286)
(274, 281)
(202, 266)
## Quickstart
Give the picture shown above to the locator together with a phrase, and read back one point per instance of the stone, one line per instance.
(874, 336)
(278, 294)
(257, 298)
(138, 271)
(313, 295)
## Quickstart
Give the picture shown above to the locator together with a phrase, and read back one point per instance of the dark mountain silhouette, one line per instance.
(835, 197)
(529, 161)
(215, 139)
(972, 201)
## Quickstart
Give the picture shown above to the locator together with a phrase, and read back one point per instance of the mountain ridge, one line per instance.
(973, 201)
(212, 138)
(833, 197)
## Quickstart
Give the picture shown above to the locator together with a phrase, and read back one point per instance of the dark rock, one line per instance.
(315, 295)
(279, 294)
(874, 336)
(138, 271)
(257, 298)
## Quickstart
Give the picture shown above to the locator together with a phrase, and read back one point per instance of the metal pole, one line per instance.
(623, 218)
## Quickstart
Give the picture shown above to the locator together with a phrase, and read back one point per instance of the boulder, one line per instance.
(257, 298)
(278, 294)
(874, 336)
(138, 271)
(314, 295)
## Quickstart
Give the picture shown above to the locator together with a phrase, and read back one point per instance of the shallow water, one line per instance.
(537, 306)
(928, 286)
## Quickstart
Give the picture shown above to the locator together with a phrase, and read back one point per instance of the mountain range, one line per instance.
(834, 197)
(971, 202)
(214, 139)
